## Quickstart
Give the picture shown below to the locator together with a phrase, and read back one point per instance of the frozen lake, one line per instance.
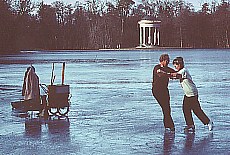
(112, 110)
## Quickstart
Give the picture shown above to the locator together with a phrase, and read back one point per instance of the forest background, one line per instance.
(28, 25)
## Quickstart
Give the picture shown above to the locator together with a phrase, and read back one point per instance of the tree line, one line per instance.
(28, 25)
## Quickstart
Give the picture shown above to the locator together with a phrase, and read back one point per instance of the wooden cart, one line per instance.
(58, 100)
(58, 96)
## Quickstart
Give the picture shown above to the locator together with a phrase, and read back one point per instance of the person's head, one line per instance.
(164, 59)
(32, 67)
(178, 63)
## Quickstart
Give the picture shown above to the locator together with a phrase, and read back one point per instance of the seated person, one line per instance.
(31, 89)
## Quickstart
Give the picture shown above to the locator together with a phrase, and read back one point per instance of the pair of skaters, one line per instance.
(161, 75)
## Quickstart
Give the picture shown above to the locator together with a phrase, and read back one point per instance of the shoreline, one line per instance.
(125, 49)
(110, 49)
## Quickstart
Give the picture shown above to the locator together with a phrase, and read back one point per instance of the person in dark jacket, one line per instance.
(160, 90)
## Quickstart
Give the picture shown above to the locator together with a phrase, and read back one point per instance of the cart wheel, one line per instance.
(63, 111)
(53, 111)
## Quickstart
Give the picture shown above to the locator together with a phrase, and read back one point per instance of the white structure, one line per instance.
(149, 33)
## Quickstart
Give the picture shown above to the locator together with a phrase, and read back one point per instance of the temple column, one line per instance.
(141, 36)
(149, 37)
(158, 37)
(155, 36)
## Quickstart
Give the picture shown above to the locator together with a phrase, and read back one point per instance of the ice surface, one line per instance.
(112, 110)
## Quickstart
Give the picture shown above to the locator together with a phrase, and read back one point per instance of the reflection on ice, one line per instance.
(33, 127)
(58, 128)
(169, 138)
(189, 141)
(193, 146)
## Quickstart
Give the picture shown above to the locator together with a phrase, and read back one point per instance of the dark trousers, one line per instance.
(163, 99)
(192, 104)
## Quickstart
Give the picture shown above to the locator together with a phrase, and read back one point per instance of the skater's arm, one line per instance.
(175, 76)
(163, 73)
